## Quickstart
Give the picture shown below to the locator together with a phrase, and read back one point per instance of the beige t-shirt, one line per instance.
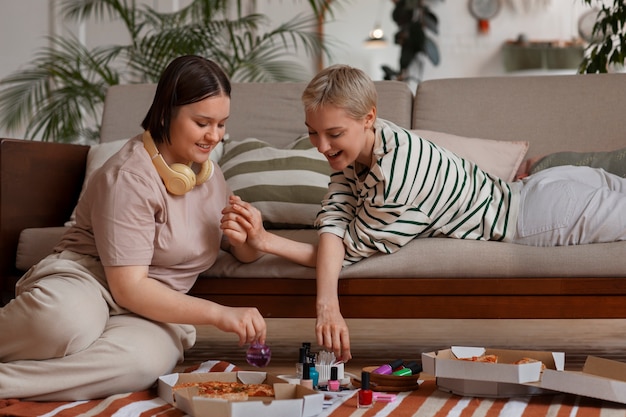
(127, 217)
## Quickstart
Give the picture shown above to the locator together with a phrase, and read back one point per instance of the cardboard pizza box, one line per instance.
(600, 378)
(289, 401)
(469, 388)
(502, 379)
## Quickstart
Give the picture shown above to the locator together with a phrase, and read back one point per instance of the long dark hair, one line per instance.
(187, 79)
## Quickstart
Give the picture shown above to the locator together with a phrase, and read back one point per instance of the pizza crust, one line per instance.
(530, 360)
(494, 359)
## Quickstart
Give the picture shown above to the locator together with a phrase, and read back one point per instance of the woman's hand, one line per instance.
(245, 322)
(232, 224)
(332, 332)
(243, 223)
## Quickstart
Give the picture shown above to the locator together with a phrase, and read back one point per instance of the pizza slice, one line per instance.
(482, 358)
(231, 391)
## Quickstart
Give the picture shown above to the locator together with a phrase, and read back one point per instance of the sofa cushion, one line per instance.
(612, 161)
(100, 153)
(497, 157)
(286, 184)
(36, 243)
(444, 258)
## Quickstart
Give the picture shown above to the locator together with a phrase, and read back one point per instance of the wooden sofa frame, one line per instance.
(40, 183)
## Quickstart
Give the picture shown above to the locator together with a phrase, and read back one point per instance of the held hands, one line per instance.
(242, 223)
(332, 332)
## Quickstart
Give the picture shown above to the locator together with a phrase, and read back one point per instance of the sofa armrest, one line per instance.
(39, 186)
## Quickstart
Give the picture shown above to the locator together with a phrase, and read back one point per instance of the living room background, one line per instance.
(464, 50)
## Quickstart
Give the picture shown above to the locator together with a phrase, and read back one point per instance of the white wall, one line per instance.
(464, 52)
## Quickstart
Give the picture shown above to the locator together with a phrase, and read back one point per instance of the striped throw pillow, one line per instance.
(286, 184)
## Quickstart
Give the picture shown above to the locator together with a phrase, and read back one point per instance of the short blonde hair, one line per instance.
(343, 86)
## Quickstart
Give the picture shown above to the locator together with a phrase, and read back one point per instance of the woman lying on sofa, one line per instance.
(108, 311)
(390, 186)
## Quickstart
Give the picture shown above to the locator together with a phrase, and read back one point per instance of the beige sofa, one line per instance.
(429, 278)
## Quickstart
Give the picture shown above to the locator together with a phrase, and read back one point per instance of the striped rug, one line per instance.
(427, 401)
(135, 404)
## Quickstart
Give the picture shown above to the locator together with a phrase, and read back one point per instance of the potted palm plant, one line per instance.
(59, 95)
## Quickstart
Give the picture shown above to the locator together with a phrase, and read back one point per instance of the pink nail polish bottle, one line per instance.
(333, 383)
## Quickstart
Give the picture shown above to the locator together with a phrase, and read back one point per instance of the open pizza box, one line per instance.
(480, 379)
(600, 378)
(289, 401)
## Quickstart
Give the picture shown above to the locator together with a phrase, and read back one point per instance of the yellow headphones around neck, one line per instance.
(178, 178)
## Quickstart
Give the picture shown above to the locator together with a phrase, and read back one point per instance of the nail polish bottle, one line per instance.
(411, 368)
(365, 395)
(306, 380)
(315, 375)
(388, 368)
(333, 383)
(301, 360)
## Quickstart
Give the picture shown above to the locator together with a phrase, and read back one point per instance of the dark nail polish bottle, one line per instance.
(301, 360)
(412, 368)
(388, 368)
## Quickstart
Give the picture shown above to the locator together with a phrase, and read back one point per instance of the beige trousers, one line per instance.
(64, 338)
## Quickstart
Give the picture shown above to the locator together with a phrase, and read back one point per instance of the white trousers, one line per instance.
(64, 338)
(571, 205)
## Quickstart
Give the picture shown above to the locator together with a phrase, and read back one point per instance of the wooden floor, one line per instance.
(379, 341)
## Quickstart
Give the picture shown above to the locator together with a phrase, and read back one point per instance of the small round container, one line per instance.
(258, 355)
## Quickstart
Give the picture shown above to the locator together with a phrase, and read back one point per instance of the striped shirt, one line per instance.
(414, 189)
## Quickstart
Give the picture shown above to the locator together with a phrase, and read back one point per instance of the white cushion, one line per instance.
(497, 157)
